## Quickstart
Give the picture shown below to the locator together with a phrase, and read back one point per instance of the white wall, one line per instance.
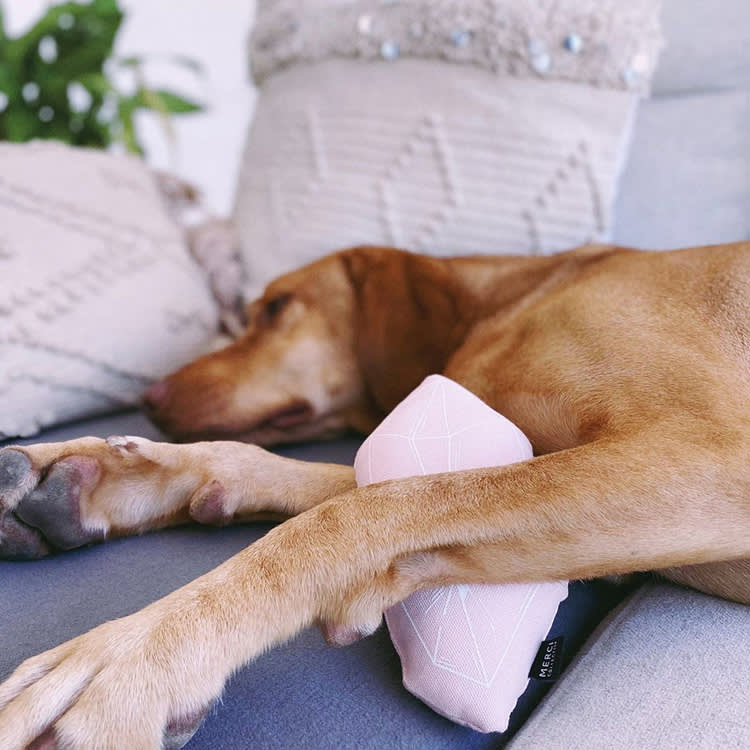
(208, 145)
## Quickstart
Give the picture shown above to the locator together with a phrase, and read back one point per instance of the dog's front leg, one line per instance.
(57, 496)
(604, 508)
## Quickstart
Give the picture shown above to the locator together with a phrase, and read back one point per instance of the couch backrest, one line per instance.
(708, 46)
(687, 181)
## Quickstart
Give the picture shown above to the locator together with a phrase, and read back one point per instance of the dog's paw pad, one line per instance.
(54, 507)
(19, 541)
(345, 635)
(47, 741)
(180, 731)
(209, 505)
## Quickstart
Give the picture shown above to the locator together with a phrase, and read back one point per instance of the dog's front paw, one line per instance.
(131, 683)
(59, 496)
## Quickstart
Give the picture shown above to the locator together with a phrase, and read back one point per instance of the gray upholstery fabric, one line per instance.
(707, 44)
(687, 181)
(669, 670)
(301, 695)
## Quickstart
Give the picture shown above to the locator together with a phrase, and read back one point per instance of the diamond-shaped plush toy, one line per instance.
(465, 650)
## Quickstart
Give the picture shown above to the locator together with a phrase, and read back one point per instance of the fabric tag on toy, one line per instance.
(548, 661)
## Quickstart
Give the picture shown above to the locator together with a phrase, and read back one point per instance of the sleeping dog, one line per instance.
(629, 371)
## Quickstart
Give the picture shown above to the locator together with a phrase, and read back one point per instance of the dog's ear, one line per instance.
(408, 318)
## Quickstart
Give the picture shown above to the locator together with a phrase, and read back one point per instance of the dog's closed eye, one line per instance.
(273, 308)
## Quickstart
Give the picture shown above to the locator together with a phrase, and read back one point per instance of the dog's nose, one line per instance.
(155, 395)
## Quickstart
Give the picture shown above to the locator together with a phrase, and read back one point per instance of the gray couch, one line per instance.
(666, 668)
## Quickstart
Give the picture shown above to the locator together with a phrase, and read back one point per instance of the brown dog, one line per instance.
(629, 371)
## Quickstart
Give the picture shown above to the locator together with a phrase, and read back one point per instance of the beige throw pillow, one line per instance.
(442, 127)
(98, 295)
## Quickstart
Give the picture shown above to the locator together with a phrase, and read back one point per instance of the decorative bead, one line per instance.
(389, 49)
(490, 37)
(637, 68)
(630, 77)
(540, 59)
(573, 43)
(461, 38)
(639, 63)
(537, 47)
(541, 63)
(364, 24)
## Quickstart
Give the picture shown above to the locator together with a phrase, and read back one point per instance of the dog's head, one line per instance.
(328, 348)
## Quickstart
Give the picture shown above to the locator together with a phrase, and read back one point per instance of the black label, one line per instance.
(548, 661)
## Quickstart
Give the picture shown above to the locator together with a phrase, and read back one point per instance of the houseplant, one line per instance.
(58, 80)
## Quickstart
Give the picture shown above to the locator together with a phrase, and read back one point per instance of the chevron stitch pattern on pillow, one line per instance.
(98, 294)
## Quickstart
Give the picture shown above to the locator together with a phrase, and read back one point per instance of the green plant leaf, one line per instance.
(127, 132)
(3, 35)
(129, 62)
(95, 83)
(84, 35)
(187, 62)
(158, 100)
(81, 48)
(145, 98)
(20, 123)
(183, 61)
(179, 104)
(8, 79)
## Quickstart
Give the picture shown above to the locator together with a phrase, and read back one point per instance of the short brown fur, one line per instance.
(629, 372)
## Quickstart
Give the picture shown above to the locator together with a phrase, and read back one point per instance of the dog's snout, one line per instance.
(155, 395)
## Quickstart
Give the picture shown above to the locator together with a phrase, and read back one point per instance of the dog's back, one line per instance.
(611, 338)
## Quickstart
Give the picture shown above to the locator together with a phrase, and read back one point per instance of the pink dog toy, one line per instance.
(466, 651)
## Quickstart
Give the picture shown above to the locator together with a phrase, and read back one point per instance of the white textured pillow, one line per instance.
(98, 295)
(438, 126)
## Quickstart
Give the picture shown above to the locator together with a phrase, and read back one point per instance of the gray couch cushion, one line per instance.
(687, 181)
(668, 670)
(303, 694)
(707, 46)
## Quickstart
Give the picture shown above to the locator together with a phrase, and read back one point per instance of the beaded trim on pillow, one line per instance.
(611, 43)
